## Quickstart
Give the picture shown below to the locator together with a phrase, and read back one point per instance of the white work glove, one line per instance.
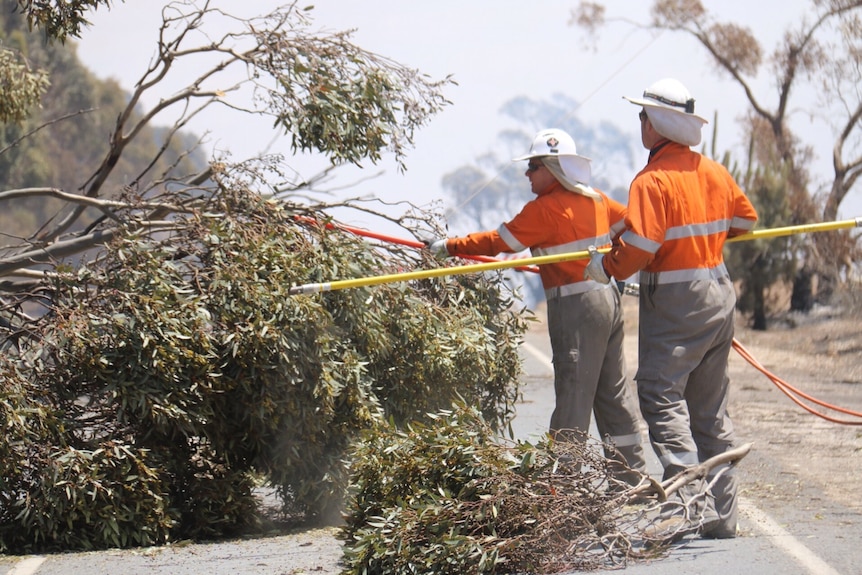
(438, 249)
(596, 269)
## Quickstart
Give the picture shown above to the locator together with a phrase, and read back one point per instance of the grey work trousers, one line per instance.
(586, 332)
(685, 336)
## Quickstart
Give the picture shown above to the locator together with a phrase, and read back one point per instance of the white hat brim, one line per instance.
(525, 157)
(653, 104)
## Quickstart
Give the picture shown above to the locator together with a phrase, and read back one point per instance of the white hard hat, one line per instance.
(670, 109)
(557, 143)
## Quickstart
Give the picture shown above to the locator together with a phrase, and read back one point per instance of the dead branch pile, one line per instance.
(450, 498)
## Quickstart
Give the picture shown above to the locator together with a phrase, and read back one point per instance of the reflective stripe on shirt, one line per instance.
(680, 232)
(641, 242)
(694, 230)
(510, 240)
(571, 247)
(618, 228)
(742, 224)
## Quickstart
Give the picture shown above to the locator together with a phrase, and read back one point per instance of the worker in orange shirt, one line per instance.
(584, 317)
(682, 207)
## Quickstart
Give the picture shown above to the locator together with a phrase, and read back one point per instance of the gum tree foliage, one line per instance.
(462, 502)
(156, 369)
(59, 20)
(820, 50)
(21, 86)
(179, 368)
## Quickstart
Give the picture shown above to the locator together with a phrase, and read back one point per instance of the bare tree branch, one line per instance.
(42, 126)
(102, 204)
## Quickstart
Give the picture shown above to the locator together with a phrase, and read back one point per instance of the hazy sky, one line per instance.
(496, 50)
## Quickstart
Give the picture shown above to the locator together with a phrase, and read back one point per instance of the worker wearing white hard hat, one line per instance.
(557, 150)
(670, 109)
(585, 322)
(682, 207)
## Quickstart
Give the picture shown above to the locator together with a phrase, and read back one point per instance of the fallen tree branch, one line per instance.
(701, 470)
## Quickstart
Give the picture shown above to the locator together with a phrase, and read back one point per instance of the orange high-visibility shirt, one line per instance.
(557, 221)
(682, 207)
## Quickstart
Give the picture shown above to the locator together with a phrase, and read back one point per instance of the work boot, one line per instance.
(710, 523)
(689, 511)
(722, 504)
(708, 518)
(719, 532)
(669, 530)
(713, 527)
(671, 524)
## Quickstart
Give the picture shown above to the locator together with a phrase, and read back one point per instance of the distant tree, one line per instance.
(22, 85)
(493, 189)
(821, 49)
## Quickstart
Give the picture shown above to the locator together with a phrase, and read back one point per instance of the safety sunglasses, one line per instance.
(531, 167)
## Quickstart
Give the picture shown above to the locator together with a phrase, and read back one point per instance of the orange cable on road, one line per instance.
(792, 392)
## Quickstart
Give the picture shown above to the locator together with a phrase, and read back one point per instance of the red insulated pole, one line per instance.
(402, 241)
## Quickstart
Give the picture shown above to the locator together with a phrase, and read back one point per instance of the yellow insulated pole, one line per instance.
(437, 272)
(539, 260)
(800, 229)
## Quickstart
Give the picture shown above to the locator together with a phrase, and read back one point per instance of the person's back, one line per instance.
(682, 207)
(699, 200)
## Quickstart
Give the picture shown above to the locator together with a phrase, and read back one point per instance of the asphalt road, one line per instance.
(790, 541)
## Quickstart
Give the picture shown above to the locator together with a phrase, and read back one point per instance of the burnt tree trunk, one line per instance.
(802, 296)
(758, 319)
